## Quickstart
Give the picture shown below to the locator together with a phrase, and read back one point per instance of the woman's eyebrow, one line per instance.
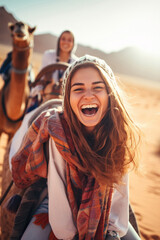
(98, 82)
(81, 84)
(77, 84)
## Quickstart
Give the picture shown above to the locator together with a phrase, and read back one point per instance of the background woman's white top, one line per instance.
(50, 57)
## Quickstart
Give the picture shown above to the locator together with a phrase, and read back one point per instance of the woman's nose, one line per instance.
(88, 94)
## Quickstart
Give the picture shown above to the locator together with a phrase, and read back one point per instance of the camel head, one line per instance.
(21, 31)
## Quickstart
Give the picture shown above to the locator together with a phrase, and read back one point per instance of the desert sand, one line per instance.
(144, 98)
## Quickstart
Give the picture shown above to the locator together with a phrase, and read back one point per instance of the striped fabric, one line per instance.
(89, 201)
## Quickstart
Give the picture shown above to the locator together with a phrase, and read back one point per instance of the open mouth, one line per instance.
(20, 35)
(89, 109)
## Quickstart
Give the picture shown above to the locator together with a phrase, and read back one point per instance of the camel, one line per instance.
(14, 94)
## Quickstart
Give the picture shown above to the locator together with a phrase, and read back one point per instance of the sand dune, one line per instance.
(145, 187)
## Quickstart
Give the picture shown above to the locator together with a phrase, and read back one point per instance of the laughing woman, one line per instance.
(91, 149)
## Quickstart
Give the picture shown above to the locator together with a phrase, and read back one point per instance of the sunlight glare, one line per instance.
(151, 47)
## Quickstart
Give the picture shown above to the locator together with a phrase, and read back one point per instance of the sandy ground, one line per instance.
(145, 187)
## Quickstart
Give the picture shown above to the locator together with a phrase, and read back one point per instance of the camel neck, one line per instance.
(17, 57)
(22, 49)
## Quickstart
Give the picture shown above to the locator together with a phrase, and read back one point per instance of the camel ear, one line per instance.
(11, 26)
(31, 30)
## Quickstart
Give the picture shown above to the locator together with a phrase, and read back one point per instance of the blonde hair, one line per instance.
(110, 150)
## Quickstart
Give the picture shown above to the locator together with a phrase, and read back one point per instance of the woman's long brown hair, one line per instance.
(110, 150)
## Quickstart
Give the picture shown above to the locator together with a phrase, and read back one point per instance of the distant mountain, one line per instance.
(43, 42)
(135, 62)
(129, 61)
(5, 18)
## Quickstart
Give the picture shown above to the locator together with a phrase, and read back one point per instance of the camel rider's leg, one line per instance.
(131, 234)
(34, 231)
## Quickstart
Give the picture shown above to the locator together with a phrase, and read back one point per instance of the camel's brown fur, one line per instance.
(17, 90)
(7, 218)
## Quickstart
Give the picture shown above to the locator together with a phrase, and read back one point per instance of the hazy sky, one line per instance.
(108, 25)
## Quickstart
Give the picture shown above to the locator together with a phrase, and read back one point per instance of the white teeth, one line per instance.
(89, 106)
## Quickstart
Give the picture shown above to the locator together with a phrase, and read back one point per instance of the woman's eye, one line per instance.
(78, 90)
(98, 88)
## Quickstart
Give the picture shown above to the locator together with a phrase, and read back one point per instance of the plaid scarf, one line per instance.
(89, 201)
